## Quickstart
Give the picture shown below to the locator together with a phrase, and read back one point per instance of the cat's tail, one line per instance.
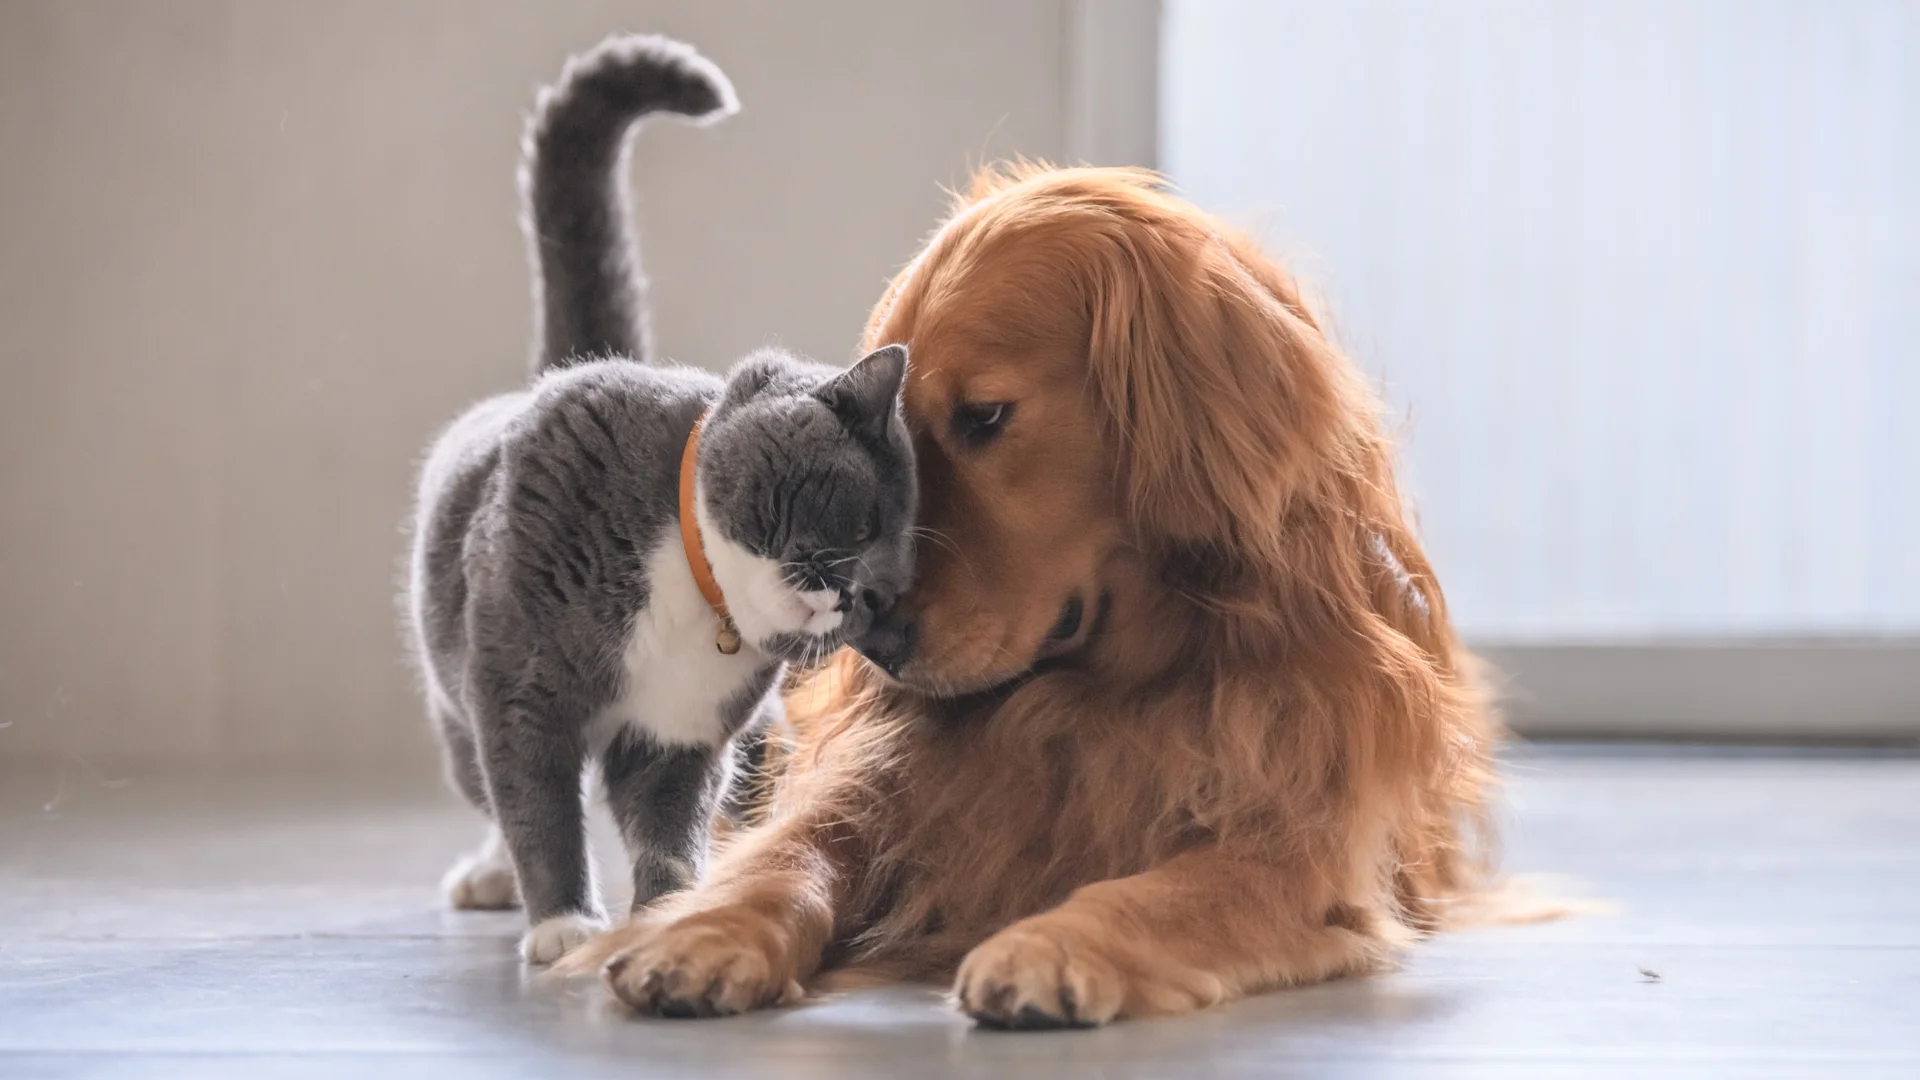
(589, 293)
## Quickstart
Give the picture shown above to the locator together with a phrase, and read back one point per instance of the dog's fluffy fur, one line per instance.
(1263, 757)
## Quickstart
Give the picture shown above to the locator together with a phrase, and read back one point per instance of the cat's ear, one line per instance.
(866, 395)
(751, 376)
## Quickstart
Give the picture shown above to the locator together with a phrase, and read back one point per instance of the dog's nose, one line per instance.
(891, 636)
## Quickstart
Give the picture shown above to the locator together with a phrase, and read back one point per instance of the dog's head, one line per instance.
(1105, 385)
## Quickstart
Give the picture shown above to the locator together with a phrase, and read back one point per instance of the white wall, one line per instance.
(253, 252)
(1642, 278)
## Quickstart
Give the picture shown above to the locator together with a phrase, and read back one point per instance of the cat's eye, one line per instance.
(979, 423)
(865, 534)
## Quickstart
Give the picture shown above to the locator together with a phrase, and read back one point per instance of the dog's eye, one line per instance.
(979, 424)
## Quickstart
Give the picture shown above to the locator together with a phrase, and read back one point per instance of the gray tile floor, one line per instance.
(282, 926)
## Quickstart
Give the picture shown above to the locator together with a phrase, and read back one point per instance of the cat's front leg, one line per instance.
(533, 768)
(663, 798)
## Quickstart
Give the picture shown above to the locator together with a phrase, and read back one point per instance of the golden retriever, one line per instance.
(1176, 713)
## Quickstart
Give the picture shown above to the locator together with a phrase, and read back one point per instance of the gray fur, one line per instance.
(587, 281)
(539, 511)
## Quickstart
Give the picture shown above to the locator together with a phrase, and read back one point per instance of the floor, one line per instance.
(1766, 923)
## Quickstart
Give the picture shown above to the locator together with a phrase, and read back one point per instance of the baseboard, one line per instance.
(1797, 691)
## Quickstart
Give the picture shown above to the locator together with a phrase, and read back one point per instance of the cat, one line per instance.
(556, 595)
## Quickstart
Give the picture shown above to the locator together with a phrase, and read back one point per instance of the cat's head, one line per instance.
(807, 496)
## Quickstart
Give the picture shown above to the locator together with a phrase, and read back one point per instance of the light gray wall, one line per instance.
(252, 253)
(1113, 82)
(1640, 279)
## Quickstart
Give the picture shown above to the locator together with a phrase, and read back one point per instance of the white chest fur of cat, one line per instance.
(678, 684)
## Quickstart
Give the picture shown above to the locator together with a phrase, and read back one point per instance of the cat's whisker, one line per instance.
(944, 541)
(934, 535)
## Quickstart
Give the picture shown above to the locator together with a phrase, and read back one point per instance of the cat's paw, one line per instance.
(551, 939)
(482, 881)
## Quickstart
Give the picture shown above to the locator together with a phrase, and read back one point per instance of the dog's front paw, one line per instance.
(551, 939)
(1053, 971)
(1032, 977)
(715, 963)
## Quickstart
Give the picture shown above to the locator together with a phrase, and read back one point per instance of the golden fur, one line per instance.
(1264, 764)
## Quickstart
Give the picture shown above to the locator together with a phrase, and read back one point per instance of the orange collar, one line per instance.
(728, 639)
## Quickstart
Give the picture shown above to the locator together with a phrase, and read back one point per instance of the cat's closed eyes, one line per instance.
(562, 614)
(805, 486)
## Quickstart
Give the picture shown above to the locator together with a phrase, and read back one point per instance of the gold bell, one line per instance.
(728, 639)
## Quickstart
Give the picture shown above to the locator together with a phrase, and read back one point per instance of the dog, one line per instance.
(1173, 712)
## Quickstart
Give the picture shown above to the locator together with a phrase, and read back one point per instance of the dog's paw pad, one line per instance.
(551, 939)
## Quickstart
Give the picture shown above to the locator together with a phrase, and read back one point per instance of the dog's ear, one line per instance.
(1220, 392)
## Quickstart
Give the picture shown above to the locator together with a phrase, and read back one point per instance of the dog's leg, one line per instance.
(1200, 929)
(745, 939)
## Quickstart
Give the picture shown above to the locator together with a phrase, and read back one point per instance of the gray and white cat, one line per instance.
(554, 607)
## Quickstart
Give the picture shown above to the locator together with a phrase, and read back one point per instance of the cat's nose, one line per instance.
(890, 638)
